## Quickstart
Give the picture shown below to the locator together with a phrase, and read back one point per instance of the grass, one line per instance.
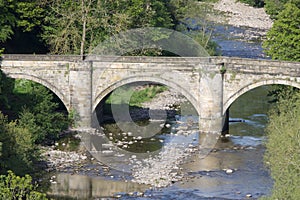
(135, 96)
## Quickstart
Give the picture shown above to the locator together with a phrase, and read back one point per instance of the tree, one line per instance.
(283, 152)
(147, 13)
(6, 89)
(75, 27)
(274, 7)
(18, 149)
(193, 18)
(14, 187)
(7, 20)
(283, 38)
(39, 115)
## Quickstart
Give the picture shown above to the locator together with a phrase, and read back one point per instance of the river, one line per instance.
(233, 170)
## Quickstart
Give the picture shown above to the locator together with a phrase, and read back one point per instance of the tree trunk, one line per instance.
(84, 18)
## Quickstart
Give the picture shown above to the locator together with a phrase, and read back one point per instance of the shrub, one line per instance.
(283, 146)
(15, 188)
(18, 149)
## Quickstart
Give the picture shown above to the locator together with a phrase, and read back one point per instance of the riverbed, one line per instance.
(233, 169)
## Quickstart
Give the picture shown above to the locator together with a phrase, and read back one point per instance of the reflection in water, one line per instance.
(85, 187)
(209, 175)
(242, 152)
(252, 107)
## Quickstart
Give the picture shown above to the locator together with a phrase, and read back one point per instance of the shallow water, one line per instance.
(242, 152)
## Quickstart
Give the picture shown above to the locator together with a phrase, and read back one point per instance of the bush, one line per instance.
(38, 111)
(283, 38)
(18, 149)
(15, 188)
(283, 146)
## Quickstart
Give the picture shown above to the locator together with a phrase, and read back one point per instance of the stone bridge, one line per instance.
(211, 84)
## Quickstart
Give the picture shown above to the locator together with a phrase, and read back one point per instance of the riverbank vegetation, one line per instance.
(283, 131)
(14, 187)
(283, 145)
(135, 95)
(29, 117)
(77, 27)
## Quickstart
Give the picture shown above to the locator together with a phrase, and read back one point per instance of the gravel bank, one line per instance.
(239, 14)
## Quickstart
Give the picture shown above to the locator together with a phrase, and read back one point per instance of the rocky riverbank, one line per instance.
(240, 14)
(63, 161)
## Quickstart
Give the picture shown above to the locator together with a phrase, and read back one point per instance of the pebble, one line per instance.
(229, 171)
(248, 195)
(160, 170)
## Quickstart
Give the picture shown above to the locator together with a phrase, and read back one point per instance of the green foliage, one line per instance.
(29, 14)
(282, 92)
(75, 27)
(283, 152)
(137, 97)
(205, 41)
(146, 13)
(73, 117)
(15, 188)
(283, 38)
(6, 89)
(39, 115)
(18, 149)
(144, 95)
(7, 19)
(14, 14)
(274, 7)
(193, 18)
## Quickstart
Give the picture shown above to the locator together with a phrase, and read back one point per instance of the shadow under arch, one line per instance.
(130, 80)
(255, 85)
(44, 83)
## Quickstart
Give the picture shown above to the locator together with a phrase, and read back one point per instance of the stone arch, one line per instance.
(45, 83)
(129, 80)
(251, 86)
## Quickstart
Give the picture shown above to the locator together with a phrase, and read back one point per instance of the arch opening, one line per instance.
(23, 92)
(147, 124)
(247, 115)
(247, 88)
(53, 89)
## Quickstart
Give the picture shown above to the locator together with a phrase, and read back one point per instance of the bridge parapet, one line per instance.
(260, 66)
(39, 57)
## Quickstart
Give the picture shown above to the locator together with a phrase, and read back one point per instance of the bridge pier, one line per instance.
(80, 83)
(211, 119)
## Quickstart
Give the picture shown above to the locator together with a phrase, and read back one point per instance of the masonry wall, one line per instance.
(210, 84)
